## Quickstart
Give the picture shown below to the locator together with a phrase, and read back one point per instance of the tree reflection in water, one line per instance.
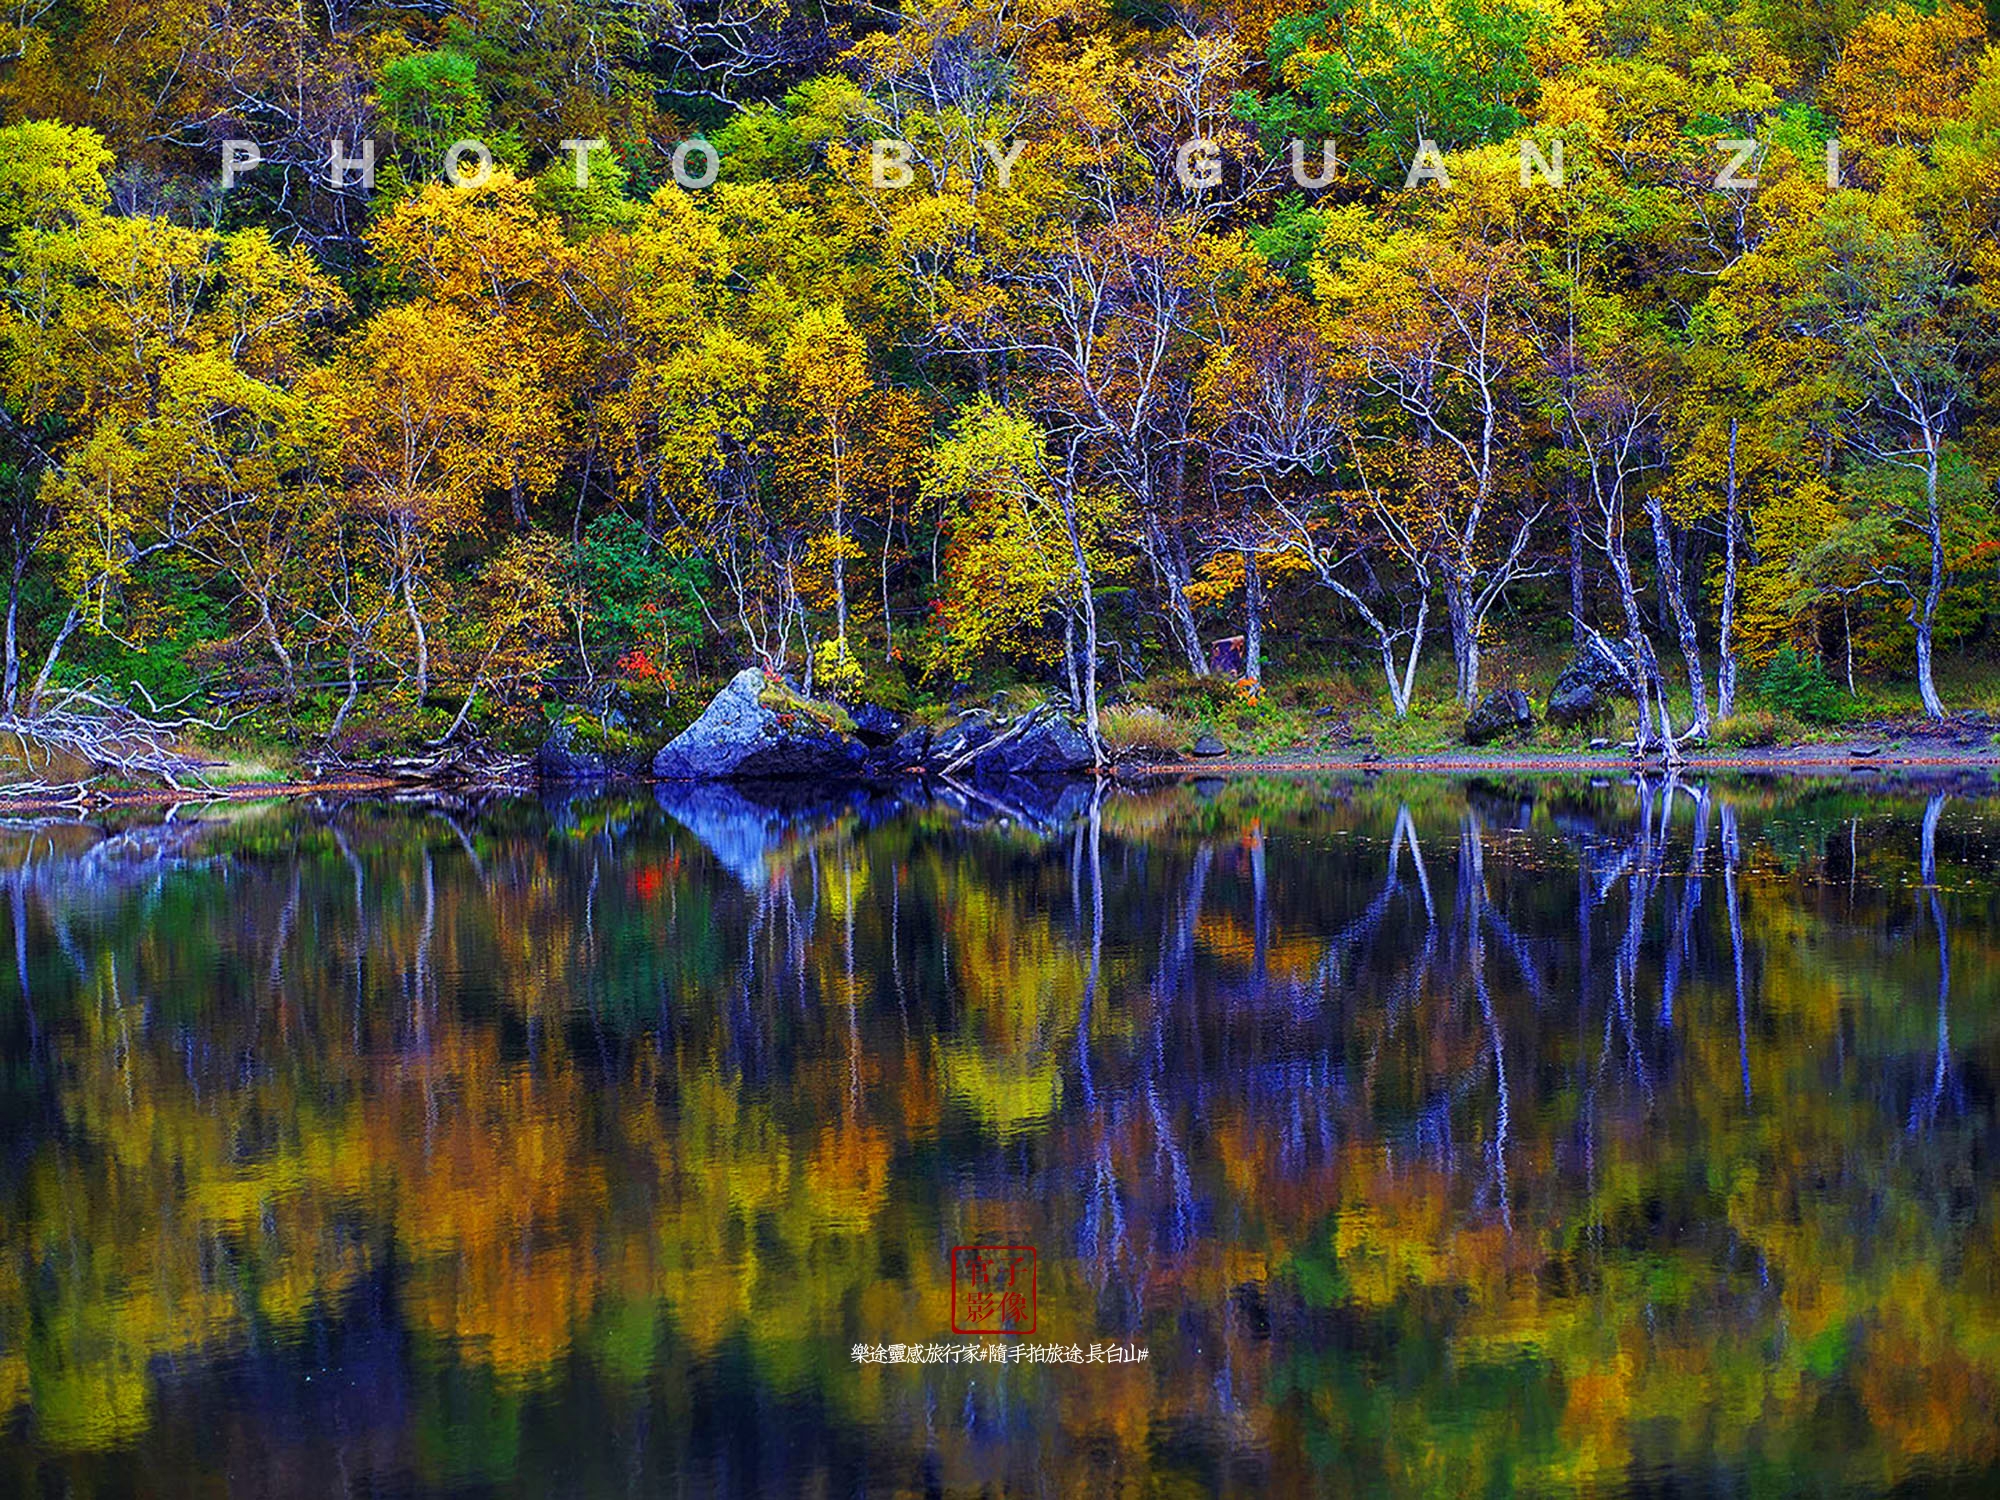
(1432, 1135)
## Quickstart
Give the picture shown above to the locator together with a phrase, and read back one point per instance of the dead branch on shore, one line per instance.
(113, 738)
(457, 764)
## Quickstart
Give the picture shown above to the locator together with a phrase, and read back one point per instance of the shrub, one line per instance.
(1752, 729)
(835, 671)
(658, 711)
(1138, 728)
(637, 593)
(1799, 685)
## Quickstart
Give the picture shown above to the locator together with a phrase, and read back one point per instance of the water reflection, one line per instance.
(1433, 1136)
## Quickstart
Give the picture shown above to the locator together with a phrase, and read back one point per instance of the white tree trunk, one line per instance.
(1924, 617)
(1671, 587)
(1725, 645)
(1253, 618)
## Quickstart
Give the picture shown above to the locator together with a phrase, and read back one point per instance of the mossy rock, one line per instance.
(590, 734)
(581, 747)
(757, 729)
(781, 698)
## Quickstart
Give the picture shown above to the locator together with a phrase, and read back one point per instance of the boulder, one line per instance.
(1503, 713)
(910, 751)
(755, 729)
(1595, 677)
(579, 750)
(1047, 745)
(966, 733)
(1208, 747)
(874, 725)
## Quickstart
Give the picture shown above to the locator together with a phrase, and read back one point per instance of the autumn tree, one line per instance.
(1307, 496)
(410, 397)
(158, 361)
(1902, 335)
(1383, 79)
(1034, 544)
(1432, 316)
(1906, 71)
(824, 371)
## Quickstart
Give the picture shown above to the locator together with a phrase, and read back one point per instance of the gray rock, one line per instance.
(910, 751)
(1049, 746)
(1503, 713)
(1208, 747)
(572, 754)
(968, 732)
(747, 733)
(1595, 678)
(875, 725)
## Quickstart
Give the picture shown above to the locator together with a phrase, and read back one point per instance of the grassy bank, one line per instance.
(1309, 715)
(1787, 705)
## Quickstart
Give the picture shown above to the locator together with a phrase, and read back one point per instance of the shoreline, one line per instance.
(1846, 758)
(1841, 757)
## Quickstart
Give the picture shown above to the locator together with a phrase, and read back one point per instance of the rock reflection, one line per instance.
(1431, 1135)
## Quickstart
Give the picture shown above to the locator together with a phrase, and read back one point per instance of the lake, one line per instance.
(1346, 1135)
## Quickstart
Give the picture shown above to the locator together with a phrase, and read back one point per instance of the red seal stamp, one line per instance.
(992, 1289)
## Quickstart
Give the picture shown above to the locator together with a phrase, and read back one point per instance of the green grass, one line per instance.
(250, 766)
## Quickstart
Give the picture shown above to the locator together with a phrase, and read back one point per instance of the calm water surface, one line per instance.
(1430, 1138)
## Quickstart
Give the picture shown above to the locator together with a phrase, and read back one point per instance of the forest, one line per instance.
(379, 376)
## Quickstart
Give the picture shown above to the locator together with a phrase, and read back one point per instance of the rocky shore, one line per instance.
(761, 728)
(760, 733)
